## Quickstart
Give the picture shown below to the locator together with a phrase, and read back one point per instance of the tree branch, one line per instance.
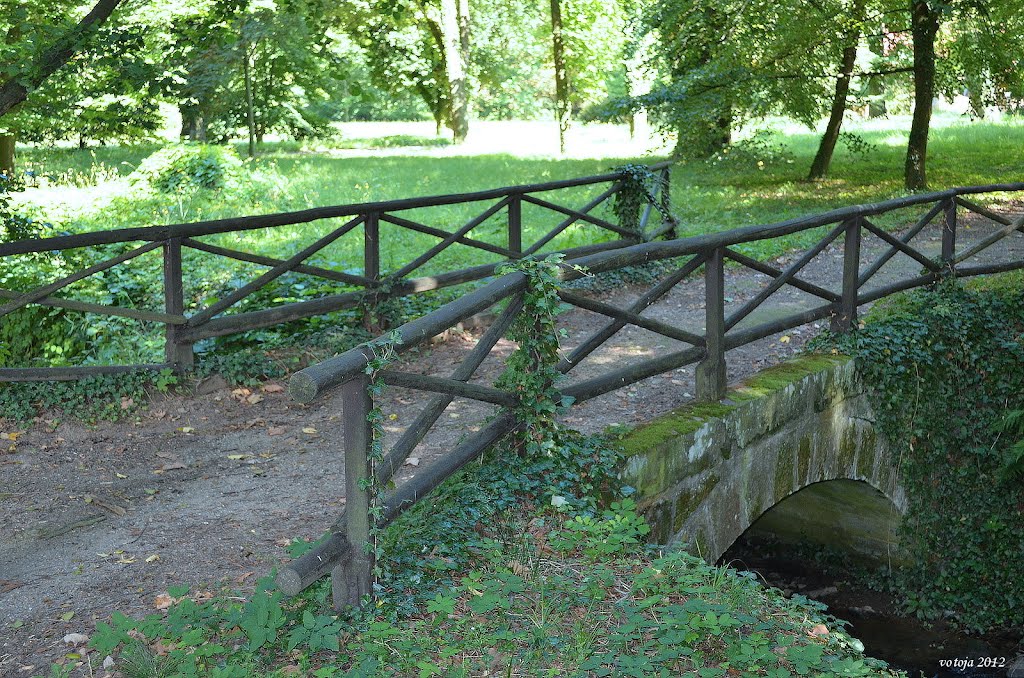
(16, 89)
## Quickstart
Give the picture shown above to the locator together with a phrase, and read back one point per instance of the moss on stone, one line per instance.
(687, 502)
(677, 423)
(780, 376)
(690, 418)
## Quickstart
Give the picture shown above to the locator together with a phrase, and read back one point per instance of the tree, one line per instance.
(418, 45)
(42, 63)
(563, 110)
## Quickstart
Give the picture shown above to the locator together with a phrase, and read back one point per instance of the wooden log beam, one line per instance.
(316, 271)
(450, 239)
(452, 387)
(440, 233)
(578, 215)
(901, 246)
(598, 338)
(554, 233)
(783, 278)
(271, 275)
(194, 230)
(101, 309)
(46, 290)
(905, 239)
(656, 326)
(419, 428)
(321, 559)
(762, 267)
(72, 373)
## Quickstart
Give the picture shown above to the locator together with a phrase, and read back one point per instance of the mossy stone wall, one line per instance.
(706, 472)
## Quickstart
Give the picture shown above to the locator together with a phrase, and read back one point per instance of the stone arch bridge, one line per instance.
(799, 436)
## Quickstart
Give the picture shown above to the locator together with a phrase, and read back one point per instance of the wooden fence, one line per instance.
(373, 285)
(343, 553)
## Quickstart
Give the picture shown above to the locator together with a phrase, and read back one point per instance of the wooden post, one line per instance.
(371, 269)
(666, 201)
(949, 234)
(7, 154)
(845, 317)
(515, 223)
(711, 376)
(352, 578)
(177, 351)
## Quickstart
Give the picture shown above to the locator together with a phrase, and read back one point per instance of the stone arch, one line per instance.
(705, 473)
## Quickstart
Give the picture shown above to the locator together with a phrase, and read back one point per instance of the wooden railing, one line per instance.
(182, 331)
(343, 552)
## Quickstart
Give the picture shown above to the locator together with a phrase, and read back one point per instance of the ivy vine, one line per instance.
(638, 186)
(945, 369)
(384, 352)
(530, 372)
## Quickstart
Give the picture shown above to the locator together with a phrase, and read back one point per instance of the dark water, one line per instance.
(931, 651)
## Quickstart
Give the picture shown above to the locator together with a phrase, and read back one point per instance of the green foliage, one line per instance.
(530, 372)
(636, 193)
(98, 397)
(188, 167)
(944, 365)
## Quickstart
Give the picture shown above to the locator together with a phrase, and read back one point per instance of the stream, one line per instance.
(931, 651)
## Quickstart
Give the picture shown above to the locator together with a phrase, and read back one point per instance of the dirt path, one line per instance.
(206, 490)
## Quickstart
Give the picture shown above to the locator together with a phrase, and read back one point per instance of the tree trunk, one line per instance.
(925, 25)
(455, 38)
(7, 154)
(563, 111)
(249, 112)
(15, 90)
(822, 160)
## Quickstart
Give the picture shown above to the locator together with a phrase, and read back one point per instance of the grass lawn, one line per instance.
(85, 190)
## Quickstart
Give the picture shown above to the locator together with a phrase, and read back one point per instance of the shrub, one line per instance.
(188, 167)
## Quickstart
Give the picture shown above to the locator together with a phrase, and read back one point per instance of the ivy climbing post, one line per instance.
(531, 372)
(352, 578)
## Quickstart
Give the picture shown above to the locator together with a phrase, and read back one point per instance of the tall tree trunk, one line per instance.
(15, 89)
(249, 109)
(924, 25)
(452, 17)
(823, 158)
(7, 154)
(563, 111)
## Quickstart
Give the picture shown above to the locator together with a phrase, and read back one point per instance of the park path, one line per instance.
(208, 490)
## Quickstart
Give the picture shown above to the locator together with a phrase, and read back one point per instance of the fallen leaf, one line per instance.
(412, 461)
(186, 429)
(237, 457)
(784, 339)
(113, 508)
(76, 639)
(275, 431)
(163, 601)
(120, 475)
(818, 631)
(160, 648)
(272, 388)
(240, 579)
(309, 430)
(12, 436)
(9, 585)
(392, 417)
(172, 466)
(158, 414)
(254, 398)
(153, 558)
(126, 560)
(127, 403)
